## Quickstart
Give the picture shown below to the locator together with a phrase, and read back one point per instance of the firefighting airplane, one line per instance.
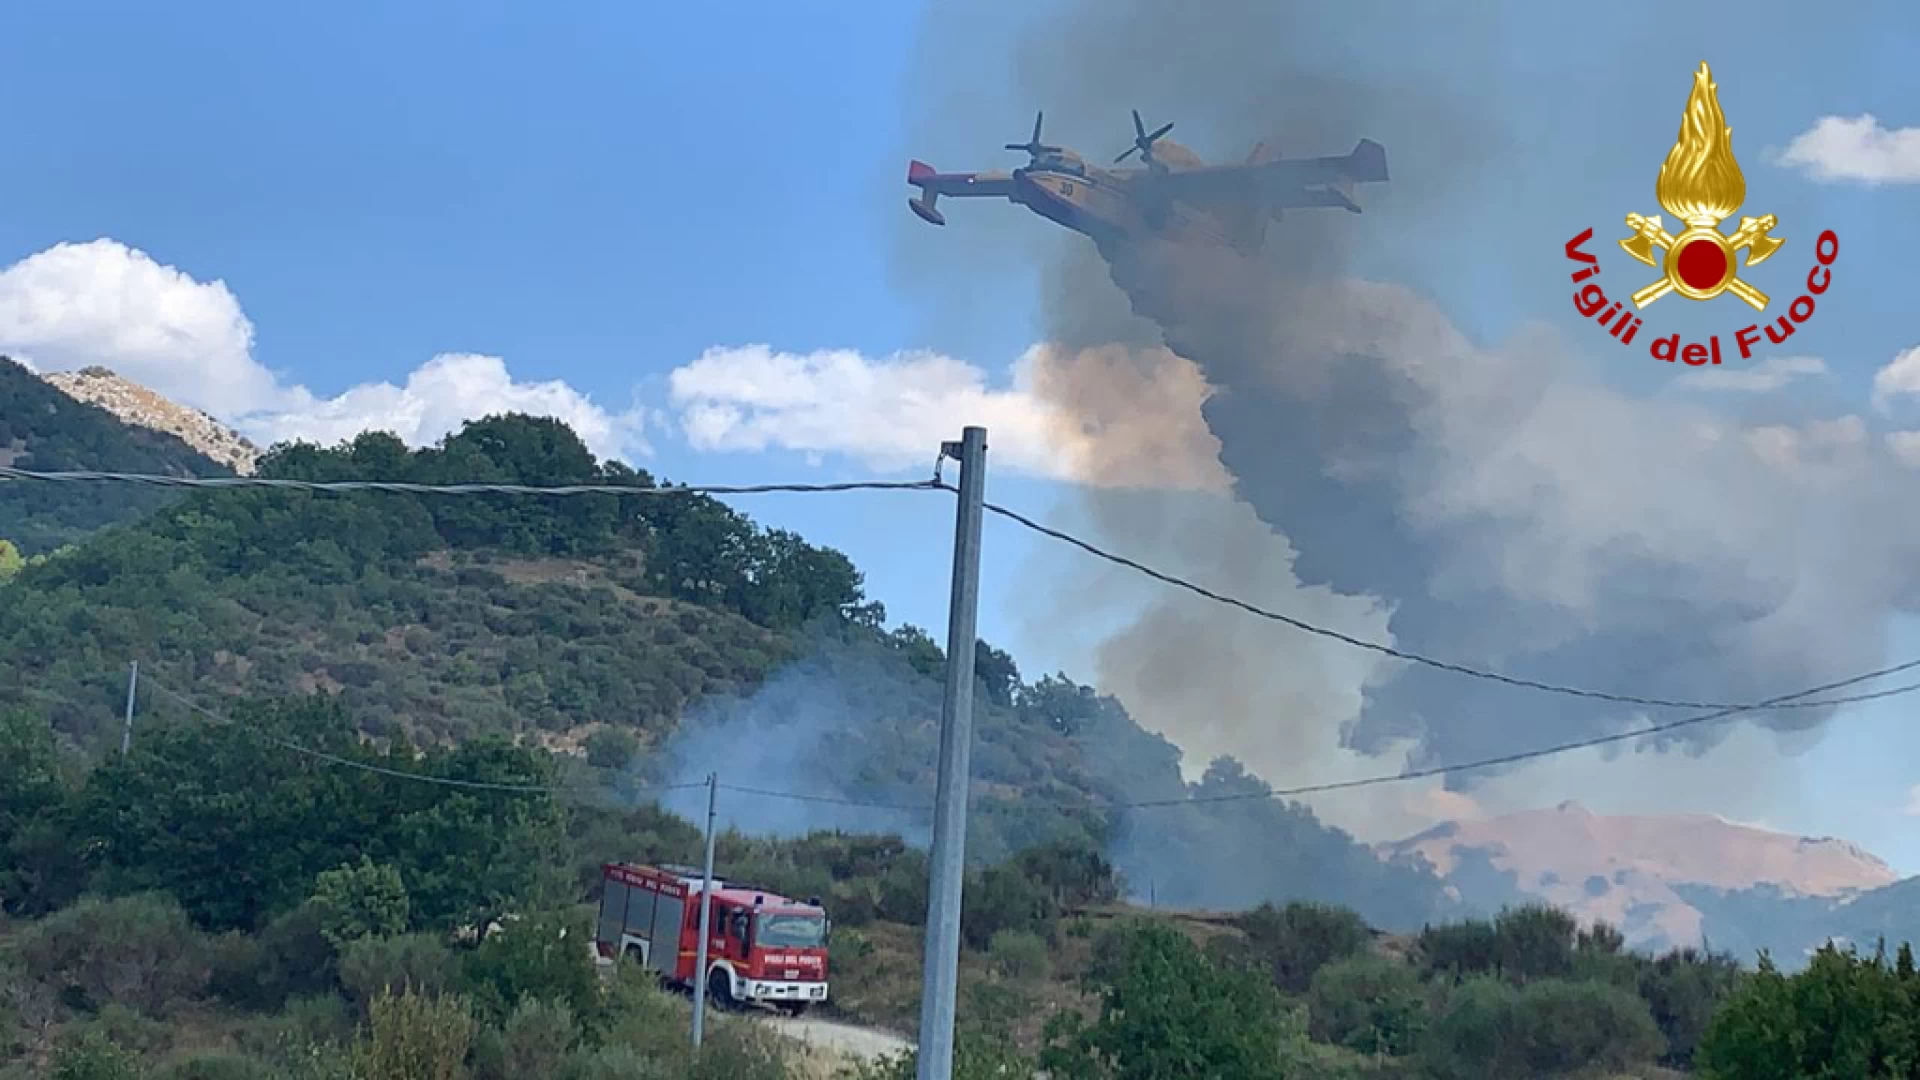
(1176, 195)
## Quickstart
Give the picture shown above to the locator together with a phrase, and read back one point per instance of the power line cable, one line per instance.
(1784, 701)
(157, 480)
(481, 785)
(1361, 643)
(832, 800)
(1557, 748)
(8, 472)
(1274, 793)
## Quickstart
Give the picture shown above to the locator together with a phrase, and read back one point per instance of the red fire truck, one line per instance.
(764, 947)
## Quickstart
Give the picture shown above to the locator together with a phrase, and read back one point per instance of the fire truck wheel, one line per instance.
(720, 989)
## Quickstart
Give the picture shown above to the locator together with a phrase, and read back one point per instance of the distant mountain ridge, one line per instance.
(1655, 877)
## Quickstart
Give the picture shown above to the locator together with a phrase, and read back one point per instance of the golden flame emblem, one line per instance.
(1701, 184)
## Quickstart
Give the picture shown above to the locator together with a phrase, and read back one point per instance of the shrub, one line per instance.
(290, 958)
(91, 1056)
(1294, 942)
(1492, 1030)
(976, 1056)
(142, 1036)
(219, 1065)
(1367, 1003)
(374, 965)
(418, 1037)
(1003, 898)
(138, 950)
(321, 1021)
(1017, 954)
(538, 1037)
(611, 748)
(1458, 950)
(1535, 942)
(541, 956)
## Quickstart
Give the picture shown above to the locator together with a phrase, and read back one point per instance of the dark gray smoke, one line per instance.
(1503, 508)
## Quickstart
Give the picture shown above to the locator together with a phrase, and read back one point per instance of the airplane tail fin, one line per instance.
(920, 175)
(1368, 163)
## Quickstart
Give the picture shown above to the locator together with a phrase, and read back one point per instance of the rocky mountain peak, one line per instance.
(136, 404)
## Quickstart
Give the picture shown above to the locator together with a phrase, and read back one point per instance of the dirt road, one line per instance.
(833, 1044)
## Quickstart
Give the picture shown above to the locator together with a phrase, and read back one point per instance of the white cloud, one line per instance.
(438, 396)
(104, 303)
(75, 305)
(1900, 378)
(1768, 375)
(892, 412)
(1856, 148)
(1905, 447)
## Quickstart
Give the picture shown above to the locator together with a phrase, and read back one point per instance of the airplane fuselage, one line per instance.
(1099, 207)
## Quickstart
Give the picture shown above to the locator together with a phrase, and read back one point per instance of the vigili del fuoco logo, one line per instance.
(1701, 185)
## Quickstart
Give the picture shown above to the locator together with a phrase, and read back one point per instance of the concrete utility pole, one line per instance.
(940, 974)
(706, 920)
(133, 683)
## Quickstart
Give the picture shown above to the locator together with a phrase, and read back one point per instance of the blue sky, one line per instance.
(602, 196)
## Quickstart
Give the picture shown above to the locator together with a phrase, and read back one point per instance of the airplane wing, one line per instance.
(1324, 181)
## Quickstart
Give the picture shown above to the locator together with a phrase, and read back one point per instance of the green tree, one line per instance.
(11, 561)
(1683, 989)
(238, 823)
(539, 957)
(356, 900)
(1295, 941)
(1844, 1015)
(39, 862)
(1536, 941)
(611, 748)
(1165, 1011)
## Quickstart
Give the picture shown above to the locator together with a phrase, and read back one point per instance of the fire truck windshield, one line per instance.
(791, 931)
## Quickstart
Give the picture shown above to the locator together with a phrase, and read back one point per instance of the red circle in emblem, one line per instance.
(1701, 264)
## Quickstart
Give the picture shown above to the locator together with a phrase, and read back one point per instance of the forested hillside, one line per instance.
(654, 615)
(43, 429)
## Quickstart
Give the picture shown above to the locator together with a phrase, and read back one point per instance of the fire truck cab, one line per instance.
(764, 947)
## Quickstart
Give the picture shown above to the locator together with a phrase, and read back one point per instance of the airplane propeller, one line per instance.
(1033, 146)
(1143, 142)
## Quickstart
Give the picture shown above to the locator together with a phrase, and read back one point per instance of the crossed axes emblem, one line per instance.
(1649, 234)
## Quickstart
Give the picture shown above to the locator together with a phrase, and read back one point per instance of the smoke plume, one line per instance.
(827, 727)
(1394, 478)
